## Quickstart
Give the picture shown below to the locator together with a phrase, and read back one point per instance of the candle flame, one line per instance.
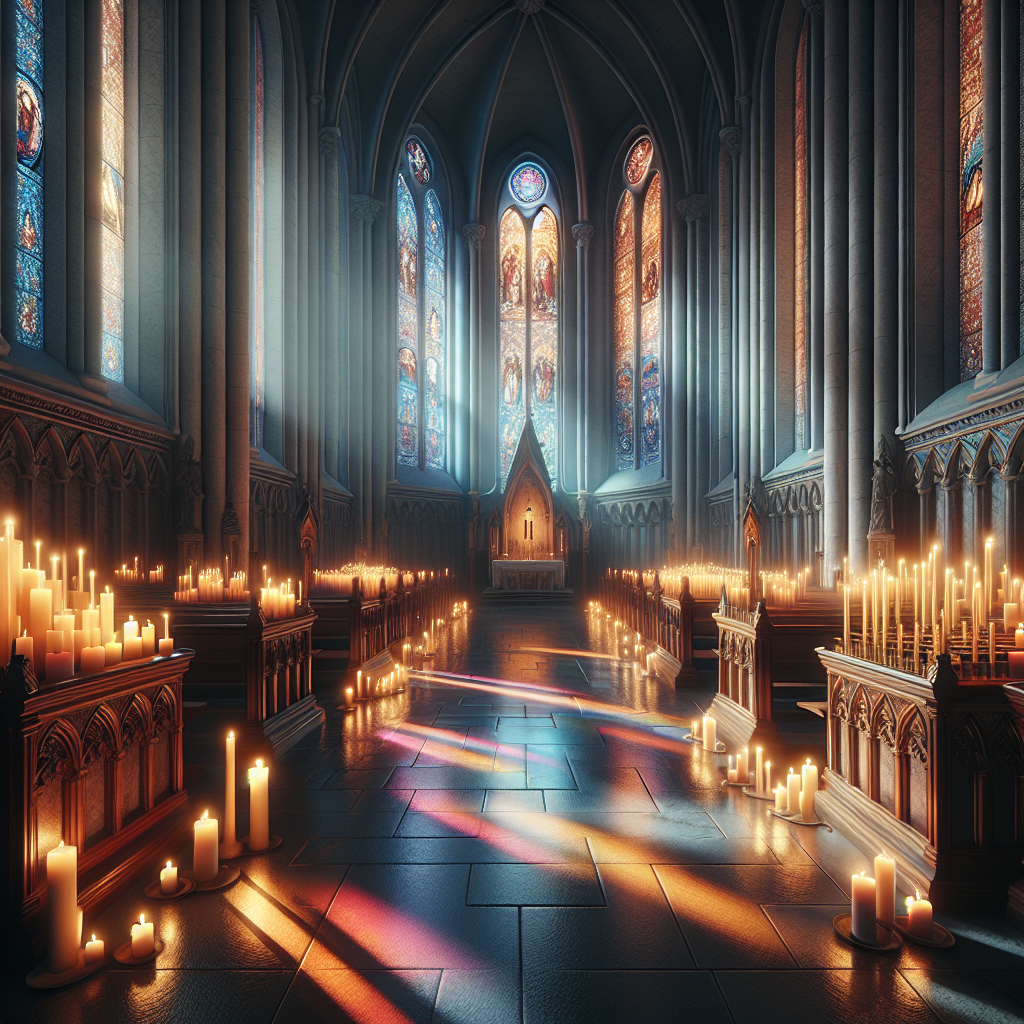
(168, 863)
(808, 761)
(60, 845)
(205, 813)
(862, 874)
(142, 918)
(790, 771)
(910, 900)
(917, 894)
(231, 735)
(93, 936)
(259, 763)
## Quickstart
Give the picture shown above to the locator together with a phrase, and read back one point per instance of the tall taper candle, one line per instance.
(205, 864)
(259, 807)
(885, 890)
(63, 938)
(230, 847)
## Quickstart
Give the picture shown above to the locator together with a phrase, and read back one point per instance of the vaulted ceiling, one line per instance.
(564, 77)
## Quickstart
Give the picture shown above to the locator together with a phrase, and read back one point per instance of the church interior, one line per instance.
(511, 511)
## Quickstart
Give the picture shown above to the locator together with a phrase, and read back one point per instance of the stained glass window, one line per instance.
(258, 230)
(637, 297)
(971, 95)
(408, 338)
(650, 326)
(512, 355)
(28, 269)
(112, 188)
(800, 241)
(528, 184)
(544, 334)
(434, 311)
(419, 162)
(623, 329)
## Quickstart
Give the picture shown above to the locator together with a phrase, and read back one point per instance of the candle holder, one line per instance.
(124, 954)
(227, 875)
(754, 795)
(185, 886)
(739, 785)
(275, 842)
(942, 938)
(42, 977)
(887, 941)
(795, 819)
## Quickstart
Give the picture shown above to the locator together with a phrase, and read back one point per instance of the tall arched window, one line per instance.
(800, 243)
(971, 110)
(257, 213)
(29, 224)
(422, 313)
(112, 207)
(637, 311)
(528, 271)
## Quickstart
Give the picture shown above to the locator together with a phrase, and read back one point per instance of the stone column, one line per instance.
(730, 145)
(886, 227)
(836, 284)
(1010, 178)
(815, 403)
(991, 255)
(583, 233)
(741, 314)
(766, 265)
(237, 292)
(331, 220)
(474, 235)
(861, 212)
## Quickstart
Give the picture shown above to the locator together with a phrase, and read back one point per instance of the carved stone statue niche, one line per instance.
(881, 526)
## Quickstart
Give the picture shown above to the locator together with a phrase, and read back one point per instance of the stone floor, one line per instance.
(534, 844)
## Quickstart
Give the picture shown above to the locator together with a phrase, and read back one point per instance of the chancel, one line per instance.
(511, 511)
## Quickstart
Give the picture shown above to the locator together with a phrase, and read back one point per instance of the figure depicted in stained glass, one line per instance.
(639, 160)
(543, 381)
(407, 365)
(528, 184)
(30, 122)
(971, 185)
(27, 235)
(419, 163)
(623, 328)
(511, 380)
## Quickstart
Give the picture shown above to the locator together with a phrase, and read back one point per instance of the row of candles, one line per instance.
(133, 575)
(339, 582)
(706, 580)
(64, 927)
(874, 900)
(208, 586)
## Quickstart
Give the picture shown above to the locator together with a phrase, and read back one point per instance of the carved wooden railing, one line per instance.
(95, 761)
(279, 661)
(928, 770)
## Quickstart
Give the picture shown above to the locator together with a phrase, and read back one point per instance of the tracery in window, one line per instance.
(434, 311)
(28, 225)
(258, 214)
(112, 198)
(800, 243)
(971, 181)
(637, 314)
(528, 184)
(408, 338)
(512, 330)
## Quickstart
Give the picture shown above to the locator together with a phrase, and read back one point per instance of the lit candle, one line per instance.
(742, 766)
(846, 619)
(758, 771)
(81, 569)
(106, 616)
(768, 777)
(1018, 636)
(94, 950)
(793, 784)
(205, 862)
(40, 621)
(94, 659)
(92, 588)
(23, 645)
(808, 788)
(780, 799)
(919, 916)
(231, 847)
(259, 807)
(885, 890)
(63, 933)
(169, 879)
(732, 770)
(132, 640)
(112, 652)
(143, 942)
(710, 739)
(148, 640)
(862, 906)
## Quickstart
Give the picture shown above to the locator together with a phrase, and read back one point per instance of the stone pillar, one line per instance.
(237, 292)
(766, 270)
(1010, 179)
(991, 255)
(474, 235)
(861, 212)
(730, 146)
(583, 233)
(741, 314)
(331, 219)
(815, 403)
(886, 227)
(836, 286)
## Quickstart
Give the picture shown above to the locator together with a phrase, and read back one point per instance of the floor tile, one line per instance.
(428, 800)
(514, 800)
(538, 885)
(382, 801)
(471, 997)
(454, 778)
(967, 997)
(343, 995)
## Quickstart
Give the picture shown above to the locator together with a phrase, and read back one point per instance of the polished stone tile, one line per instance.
(538, 885)
(428, 800)
(680, 849)
(967, 997)
(382, 801)
(343, 995)
(472, 997)
(454, 778)
(374, 778)
(439, 824)
(508, 849)
(514, 800)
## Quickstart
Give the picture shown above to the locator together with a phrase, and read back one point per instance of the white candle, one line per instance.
(169, 879)
(259, 807)
(1018, 635)
(793, 785)
(758, 771)
(143, 942)
(63, 935)
(112, 652)
(710, 739)
(148, 640)
(106, 617)
(94, 659)
(807, 791)
(780, 799)
(130, 628)
(40, 621)
(885, 890)
(230, 847)
(24, 645)
(862, 908)
(205, 862)
(93, 950)
(742, 766)
(919, 917)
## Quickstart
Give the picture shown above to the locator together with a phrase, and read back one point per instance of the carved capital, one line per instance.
(329, 138)
(474, 235)
(695, 207)
(583, 233)
(366, 208)
(731, 138)
(814, 7)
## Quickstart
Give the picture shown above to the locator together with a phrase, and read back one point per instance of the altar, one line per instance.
(527, 574)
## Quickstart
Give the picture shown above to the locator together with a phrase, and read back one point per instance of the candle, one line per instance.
(846, 619)
(992, 644)
(919, 917)
(63, 934)
(24, 645)
(94, 950)
(1016, 664)
(132, 648)
(758, 771)
(143, 942)
(112, 652)
(169, 879)
(59, 665)
(94, 659)
(742, 766)
(81, 569)
(708, 728)
(1018, 635)
(106, 616)
(40, 620)
(259, 807)
(231, 847)
(809, 786)
(695, 729)
(768, 776)
(862, 907)
(732, 770)
(130, 628)
(885, 890)
(864, 612)
(148, 640)
(205, 863)
(166, 647)
(793, 785)
(780, 799)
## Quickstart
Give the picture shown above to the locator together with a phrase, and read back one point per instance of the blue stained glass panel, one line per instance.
(434, 395)
(29, 228)
(30, 123)
(28, 273)
(408, 347)
(29, 320)
(528, 184)
(650, 325)
(30, 46)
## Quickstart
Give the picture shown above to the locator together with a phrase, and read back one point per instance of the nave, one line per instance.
(524, 835)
